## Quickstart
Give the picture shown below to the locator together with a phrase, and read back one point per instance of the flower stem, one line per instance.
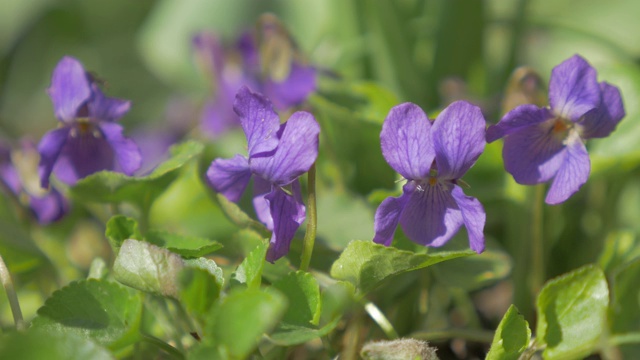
(7, 283)
(537, 242)
(381, 320)
(312, 220)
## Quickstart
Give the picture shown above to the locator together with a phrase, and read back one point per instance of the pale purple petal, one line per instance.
(601, 121)
(230, 177)
(261, 188)
(50, 147)
(406, 142)
(218, 117)
(127, 153)
(431, 216)
(458, 138)
(259, 121)
(388, 215)
(48, 208)
(573, 88)
(248, 50)
(70, 88)
(296, 152)
(573, 172)
(533, 155)
(295, 89)
(473, 216)
(288, 214)
(83, 155)
(516, 119)
(106, 108)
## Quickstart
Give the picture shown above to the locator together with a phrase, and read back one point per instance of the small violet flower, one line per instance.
(547, 143)
(278, 155)
(18, 175)
(233, 67)
(432, 157)
(88, 138)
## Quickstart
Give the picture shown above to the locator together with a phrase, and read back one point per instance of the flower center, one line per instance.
(84, 127)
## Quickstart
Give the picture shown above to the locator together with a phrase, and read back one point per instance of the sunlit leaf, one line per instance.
(185, 246)
(249, 272)
(50, 345)
(121, 228)
(511, 338)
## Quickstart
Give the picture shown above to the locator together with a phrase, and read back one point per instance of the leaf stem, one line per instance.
(7, 283)
(537, 274)
(380, 319)
(312, 220)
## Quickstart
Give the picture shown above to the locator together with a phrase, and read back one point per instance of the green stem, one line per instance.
(312, 220)
(175, 353)
(7, 283)
(537, 244)
(380, 319)
(481, 336)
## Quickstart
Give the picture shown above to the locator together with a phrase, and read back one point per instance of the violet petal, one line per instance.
(388, 215)
(70, 88)
(295, 89)
(406, 141)
(601, 121)
(50, 147)
(473, 216)
(126, 151)
(573, 88)
(296, 152)
(573, 172)
(516, 119)
(230, 177)
(259, 121)
(458, 138)
(261, 188)
(288, 214)
(106, 108)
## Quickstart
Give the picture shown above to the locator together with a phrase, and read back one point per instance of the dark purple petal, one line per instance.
(516, 119)
(296, 152)
(288, 214)
(70, 88)
(261, 188)
(388, 215)
(126, 151)
(473, 216)
(230, 177)
(573, 88)
(294, 90)
(533, 155)
(406, 142)
(49, 208)
(259, 121)
(431, 216)
(601, 121)
(50, 147)
(83, 154)
(573, 172)
(458, 138)
(105, 108)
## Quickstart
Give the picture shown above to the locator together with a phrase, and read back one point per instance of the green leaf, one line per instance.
(199, 290)
(102, 310)
(249, 272)
(303, 292)
(289, 334)
(121, 228)
(185, 246)
(344, 217)
(237, 216)
(50, 345)
(624, 312)
(511, 338)
(238, 323)
(113, 187)
(475, 272)
(366, 264)
(148, 268)
(621, 248)
(571, 313)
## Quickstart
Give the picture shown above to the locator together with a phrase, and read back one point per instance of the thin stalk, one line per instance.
(312, 220)
(380, 319)
(7, 283)
(537, 244)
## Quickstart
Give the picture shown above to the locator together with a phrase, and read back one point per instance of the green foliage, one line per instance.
(52, 345)
(572, 313)
(366, 264)
(185, 246)
(474, 272)
(249, 272)
(121, 228)
(101, 310)
(112, 187)
(511, 338)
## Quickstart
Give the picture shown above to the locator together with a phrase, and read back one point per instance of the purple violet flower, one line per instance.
(432, 157)
(89, 139)
(547, 143)
(239, 65)
(278, 155)
(18, 175)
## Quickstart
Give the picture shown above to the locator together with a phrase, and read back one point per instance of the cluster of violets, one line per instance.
(541, 144)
